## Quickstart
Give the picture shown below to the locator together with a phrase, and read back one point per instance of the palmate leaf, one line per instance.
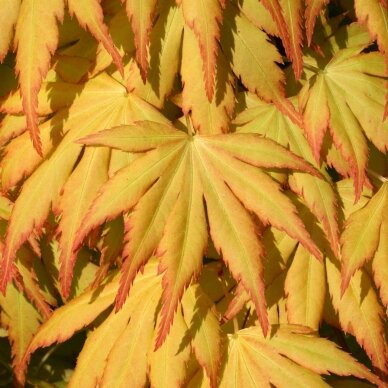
(95, 111)
(290, 357)
(121, 348)
(195, 165)
(334, 100)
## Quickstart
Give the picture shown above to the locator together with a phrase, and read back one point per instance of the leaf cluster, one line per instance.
(194, 193)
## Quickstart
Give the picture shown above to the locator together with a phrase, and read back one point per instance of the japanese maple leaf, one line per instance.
(339, 97)
(292, 356)
(165, 188)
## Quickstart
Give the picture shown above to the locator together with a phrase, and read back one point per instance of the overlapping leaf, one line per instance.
(213, 165)
(290, 357)
(334, 101)
(95, 113)
(266, 119)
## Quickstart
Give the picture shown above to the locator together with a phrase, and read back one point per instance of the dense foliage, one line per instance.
(193, 193)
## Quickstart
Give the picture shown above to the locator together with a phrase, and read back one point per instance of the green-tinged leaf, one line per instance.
(318, 193)
(348, 79)
(317, 354)
(204, 18)
(352, 145)
(139, 137)
(252, 361)
(204, 330)
(361, 236)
